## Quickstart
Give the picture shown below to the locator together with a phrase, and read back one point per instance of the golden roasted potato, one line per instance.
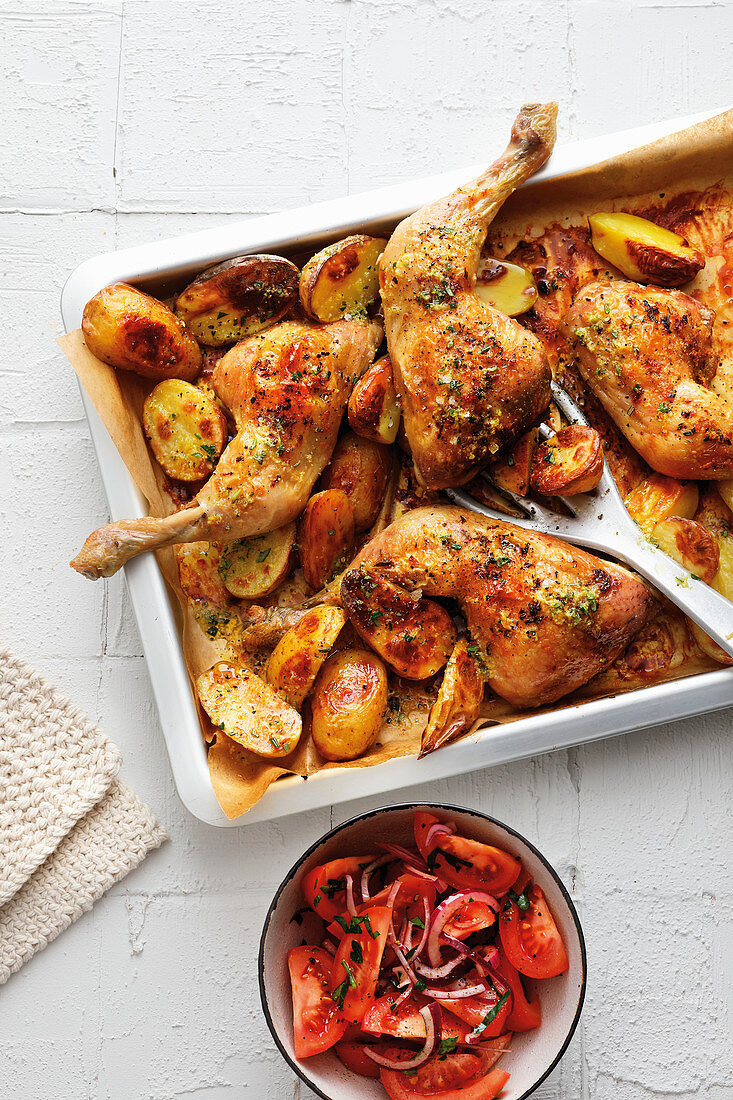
(349, 704)
(238, 298)
(414, 637)
(325, 536)
(569, 462)
(513, 470)
(360, 469)
(643, 251)
(251, 568)
(342, 278)
(198, 572)
(657, 497)
(689, 543)
(132, 331)
(246, 709)
(297, 658)
(508, 287)
(715, 514)
(186, 430)
(374, 412)
(459, 698)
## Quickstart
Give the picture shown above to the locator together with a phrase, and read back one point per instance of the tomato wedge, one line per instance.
(405, 1021)
(398, 1087)
(317, 1021)
(324, 888)
(473, 916)
(353, 1057)
(530, 937)
(489, 1011)
(356, 966)
(470, 865)
(525, 1014)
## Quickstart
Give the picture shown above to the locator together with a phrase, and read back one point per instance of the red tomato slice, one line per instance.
(405, 1021)
(317, 1021)
(408, 902)
(444, 1072)
(356, 966)
(530, 938)
(525, 1014)
(422, 825)
(397, 1087)
(470, 865)
(353, 1057)
(324, 888)
(472, 917)
(474, 1010)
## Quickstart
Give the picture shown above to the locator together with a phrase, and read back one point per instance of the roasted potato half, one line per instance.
(247, 709)
(297, 658)
(252, 568)
(689, 543)
(513, 470)
(459, 698)
(342, 278)
(359, 468)
(132, 331)
(414, 637)
(658, 497)
(374, 412)
(349, 704)
(198, 572)
(325, 536)
(238, 298)
(186, 430)
(715, 514)
(643, 251)
(508, 287)
(569, 462)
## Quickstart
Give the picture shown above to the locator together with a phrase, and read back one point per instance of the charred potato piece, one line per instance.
(297, 658)
(132, 331)
(246, 709)
(374, 412)
(689, 543)
(349, 704)
(513, 471)
(238, 298)
(569, 462)
(658, 497)
(186, 430)
(342, 278)
(459, 698)
(198, 572)
(251, 568)
(414, 637)
(359, 468)
(508, 287)
(643, 251)
(325, 536)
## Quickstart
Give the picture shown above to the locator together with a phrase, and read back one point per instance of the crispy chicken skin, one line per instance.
(287, 390)
(646, 355)
(469, 378)
(545, 616)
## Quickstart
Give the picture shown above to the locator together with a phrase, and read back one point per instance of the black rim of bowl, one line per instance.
(446, 808)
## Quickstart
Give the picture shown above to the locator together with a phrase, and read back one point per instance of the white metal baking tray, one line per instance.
(166, 265)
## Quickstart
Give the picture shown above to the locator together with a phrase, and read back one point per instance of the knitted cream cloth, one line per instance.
(69, 828)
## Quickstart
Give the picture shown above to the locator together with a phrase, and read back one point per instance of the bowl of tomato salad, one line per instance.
(422, 952)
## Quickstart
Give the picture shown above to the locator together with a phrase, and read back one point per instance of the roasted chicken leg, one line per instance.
(469, 378)
(545, 616)
(287, 390)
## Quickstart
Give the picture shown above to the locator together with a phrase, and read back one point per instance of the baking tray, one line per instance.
(165, 266)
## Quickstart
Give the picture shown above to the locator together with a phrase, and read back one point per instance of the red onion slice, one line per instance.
(445, 911)
(432, 1016)
(435, 973)
(456, 994)
(411, 858)
(436, 830)
(351, 907)
(329, 946)
(367, 872)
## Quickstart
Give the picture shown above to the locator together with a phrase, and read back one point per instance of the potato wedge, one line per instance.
(238, 298)
(508, 287)
(132, 331)
(513, 470)
(715, 514)
(349, 704)
(689, 543)
(342, 279)
(297, 658)
(246, 709)
(414, 637)
(325, 536)
(643, 251)
(569, 462)
(359, 468)
(658, 497)
(198, 572)
(186, 430)
(252, 568)
(459, 698)
(374, 412)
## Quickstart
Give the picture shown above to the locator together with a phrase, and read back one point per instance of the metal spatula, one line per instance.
(599, 521)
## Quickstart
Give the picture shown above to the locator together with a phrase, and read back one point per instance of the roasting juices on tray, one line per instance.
(416, 976)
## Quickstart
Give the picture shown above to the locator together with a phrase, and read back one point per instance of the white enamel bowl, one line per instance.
(533, 1054)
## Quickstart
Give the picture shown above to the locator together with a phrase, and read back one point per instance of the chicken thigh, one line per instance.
(287, 389)
(469, 378)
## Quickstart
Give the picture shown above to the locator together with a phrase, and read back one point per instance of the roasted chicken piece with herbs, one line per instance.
(543, 617)
(646, 355)
(469, 378)
(287, 390)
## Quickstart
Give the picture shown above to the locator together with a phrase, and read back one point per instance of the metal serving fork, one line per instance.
(599, 520)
